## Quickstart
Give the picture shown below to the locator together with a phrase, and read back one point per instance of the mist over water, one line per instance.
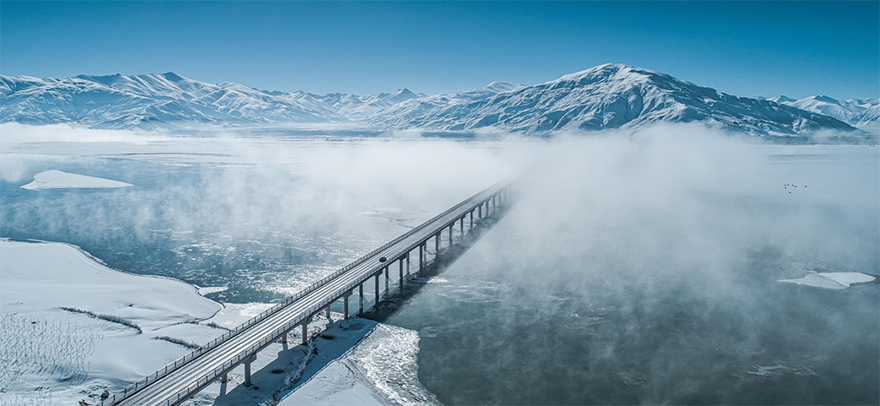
(263, 217)
(643, 270)
(634, 267)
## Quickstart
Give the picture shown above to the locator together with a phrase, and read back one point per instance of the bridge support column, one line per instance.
(247, 372)
(450, 233)
(305, 332)
(407, 263)
(361, 298)
(421, 256)
(328, 313)
(479, 212)
(386, 280)
(400, 273)
(472, 220)
(224, 378)
(345, 305)
(377, 290)
(283, 339)
(436, 244)
(461, 226)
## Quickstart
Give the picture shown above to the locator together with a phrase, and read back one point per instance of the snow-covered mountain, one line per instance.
(357, 107)
(862, 113)
(131, 101)
(607, 96)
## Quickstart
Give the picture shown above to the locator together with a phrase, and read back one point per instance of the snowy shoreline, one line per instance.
(100, 315)
(104, 313)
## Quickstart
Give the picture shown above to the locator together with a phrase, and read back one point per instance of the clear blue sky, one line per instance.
(746, 48)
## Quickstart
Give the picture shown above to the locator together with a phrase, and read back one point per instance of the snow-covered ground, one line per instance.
(55, 179)
(73, 328)
(346, 362)
(380, 369)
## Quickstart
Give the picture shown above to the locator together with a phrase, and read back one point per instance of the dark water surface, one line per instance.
(488, 340)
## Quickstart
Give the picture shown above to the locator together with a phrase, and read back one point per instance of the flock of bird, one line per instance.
(788, 185)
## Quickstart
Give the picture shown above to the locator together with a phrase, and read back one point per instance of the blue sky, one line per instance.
(746, 48)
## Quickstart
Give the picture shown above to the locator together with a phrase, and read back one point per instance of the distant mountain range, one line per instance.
(862, 113)
(609, 96)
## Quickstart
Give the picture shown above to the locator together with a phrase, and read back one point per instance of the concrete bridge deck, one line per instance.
(189, 374)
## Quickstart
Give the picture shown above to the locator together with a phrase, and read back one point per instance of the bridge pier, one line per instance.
(407, 263)
(361, 298)
(400, 272)
(472, 220)
(224, 378)
(345, 305)
(283, 339)
(377, 289)
(305, 332)
(386, 279)
(461, 226)
(421, 256)
(436, 243)
(247, 371)
(479, 212)
(450, 233)
(328, 313)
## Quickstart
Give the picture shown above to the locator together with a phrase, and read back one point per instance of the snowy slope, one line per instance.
(862, 113)
(607, 96)
(128, 101)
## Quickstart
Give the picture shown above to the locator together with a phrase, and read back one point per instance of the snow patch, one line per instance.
(831, 280)
(210, 289)
(55, 179)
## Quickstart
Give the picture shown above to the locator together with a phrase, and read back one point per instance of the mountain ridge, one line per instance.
(607, 96)
(861, 113)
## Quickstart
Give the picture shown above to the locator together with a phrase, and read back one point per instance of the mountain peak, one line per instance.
(782, 99)
(401, 95)
(824, 98)
(501, 86)
(173, 77)
(609, 71)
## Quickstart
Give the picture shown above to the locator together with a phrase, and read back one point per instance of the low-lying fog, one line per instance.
(633, 268)
(643, 270)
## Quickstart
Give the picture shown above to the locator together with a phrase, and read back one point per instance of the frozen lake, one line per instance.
(630, 272)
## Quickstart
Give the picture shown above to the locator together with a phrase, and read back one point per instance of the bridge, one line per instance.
(191, 373)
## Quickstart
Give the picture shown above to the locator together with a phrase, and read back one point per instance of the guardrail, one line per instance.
(173, 366)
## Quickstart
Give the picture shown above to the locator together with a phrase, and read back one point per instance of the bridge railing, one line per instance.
(172, 366)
